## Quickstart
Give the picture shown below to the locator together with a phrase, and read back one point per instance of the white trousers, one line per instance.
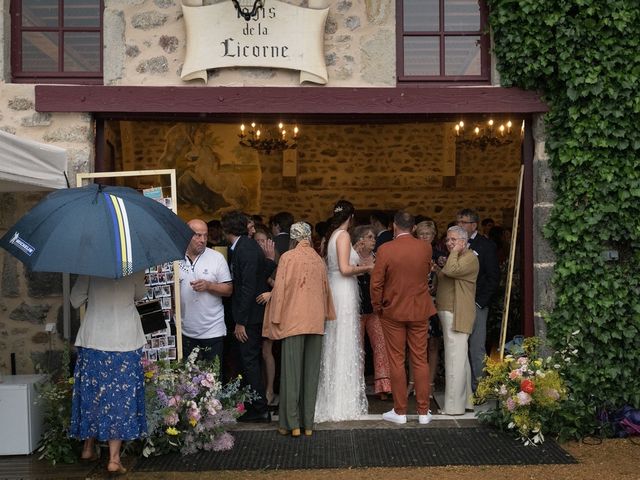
(457, 392)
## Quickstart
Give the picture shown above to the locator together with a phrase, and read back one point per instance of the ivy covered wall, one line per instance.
(583, 56)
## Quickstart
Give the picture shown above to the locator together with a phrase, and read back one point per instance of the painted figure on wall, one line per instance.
(214, 174)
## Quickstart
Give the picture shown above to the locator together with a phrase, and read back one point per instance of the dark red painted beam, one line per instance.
(286, 100)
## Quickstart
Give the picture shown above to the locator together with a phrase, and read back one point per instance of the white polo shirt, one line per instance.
(202, 312)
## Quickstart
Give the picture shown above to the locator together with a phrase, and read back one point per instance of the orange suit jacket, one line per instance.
(399, 288)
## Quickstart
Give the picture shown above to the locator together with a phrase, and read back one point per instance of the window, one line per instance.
(442, 40)
(56, 41)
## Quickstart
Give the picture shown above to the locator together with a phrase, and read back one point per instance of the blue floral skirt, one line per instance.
(108, 396)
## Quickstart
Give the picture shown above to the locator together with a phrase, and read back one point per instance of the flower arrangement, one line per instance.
(528, 390)
(188, 408)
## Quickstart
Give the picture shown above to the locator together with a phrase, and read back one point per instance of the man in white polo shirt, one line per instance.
(204, 280)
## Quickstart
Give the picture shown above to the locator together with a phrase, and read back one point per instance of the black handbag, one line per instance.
(151, 316)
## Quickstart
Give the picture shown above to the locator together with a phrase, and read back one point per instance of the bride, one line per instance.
(341, 388)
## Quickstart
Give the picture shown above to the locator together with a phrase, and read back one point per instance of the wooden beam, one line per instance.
(286, 100)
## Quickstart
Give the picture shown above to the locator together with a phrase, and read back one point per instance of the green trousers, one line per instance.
(299, 371)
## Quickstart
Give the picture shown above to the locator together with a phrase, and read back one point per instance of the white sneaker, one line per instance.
(424, 419)
(392, 416)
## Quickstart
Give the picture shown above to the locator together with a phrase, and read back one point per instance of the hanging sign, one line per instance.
(281, 36)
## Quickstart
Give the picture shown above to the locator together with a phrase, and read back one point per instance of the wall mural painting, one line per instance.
(214, 173)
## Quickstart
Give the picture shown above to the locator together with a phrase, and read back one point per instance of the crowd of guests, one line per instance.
(290, 304)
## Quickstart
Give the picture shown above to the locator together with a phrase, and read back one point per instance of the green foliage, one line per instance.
(583, 56)
(55, 395)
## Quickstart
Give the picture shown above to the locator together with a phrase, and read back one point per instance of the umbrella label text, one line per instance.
(21, 244)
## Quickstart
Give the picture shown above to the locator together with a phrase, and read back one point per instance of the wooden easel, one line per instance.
(512, 254)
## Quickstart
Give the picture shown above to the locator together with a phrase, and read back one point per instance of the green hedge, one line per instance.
(584, 59)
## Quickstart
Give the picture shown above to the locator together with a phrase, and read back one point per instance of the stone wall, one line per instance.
(391, 166)
(145, 45)
(29, 300)
(543, 257)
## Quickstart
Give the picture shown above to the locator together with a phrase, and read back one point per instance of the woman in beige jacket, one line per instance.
(455, 301)
(297, 308)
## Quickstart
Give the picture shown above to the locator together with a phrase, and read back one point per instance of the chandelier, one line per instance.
(248, 8)
(269, 142)
(482, 135)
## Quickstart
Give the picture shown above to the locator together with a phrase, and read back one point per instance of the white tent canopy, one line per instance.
(26, 165)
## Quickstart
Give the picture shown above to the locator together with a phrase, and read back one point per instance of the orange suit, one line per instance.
(400, 296)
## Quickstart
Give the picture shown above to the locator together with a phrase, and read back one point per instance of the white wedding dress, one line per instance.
(341, 387)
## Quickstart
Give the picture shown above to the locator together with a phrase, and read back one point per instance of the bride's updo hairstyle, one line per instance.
(342, 211)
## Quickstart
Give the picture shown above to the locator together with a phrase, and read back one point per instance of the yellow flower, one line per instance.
(172, 431)
(148, 375)
(71, 381)
(193, 422)
(537, 363)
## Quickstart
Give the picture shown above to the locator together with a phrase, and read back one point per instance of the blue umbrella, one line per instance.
(97, 230)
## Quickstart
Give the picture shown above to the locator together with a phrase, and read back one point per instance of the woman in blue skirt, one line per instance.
(108, 391)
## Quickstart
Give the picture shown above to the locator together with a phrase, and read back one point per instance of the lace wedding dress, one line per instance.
(341, 388)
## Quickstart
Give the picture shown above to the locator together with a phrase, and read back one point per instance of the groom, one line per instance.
(400, 296)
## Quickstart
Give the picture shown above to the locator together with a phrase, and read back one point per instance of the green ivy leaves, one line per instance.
(583, 56)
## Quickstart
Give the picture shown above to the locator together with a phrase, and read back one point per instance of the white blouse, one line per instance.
(112, 322)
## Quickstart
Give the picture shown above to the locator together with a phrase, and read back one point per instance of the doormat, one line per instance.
(410, 447)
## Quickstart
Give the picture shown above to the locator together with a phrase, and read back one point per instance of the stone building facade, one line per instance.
(390, 164)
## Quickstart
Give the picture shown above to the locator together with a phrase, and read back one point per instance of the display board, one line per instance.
(162, 281)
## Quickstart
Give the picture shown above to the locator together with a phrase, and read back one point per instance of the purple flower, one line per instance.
(223, 442)
(511, 404)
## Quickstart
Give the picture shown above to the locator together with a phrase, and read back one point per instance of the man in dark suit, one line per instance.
(380, 223)
(486, 286)
(280, 225)
(400, 296)
(247, 264)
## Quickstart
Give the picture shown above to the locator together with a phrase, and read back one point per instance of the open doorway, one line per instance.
(418, 166)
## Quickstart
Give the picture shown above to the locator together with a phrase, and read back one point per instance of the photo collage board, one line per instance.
(161, 344)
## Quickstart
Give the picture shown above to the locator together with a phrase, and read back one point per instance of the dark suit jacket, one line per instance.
(399, 288)
(248, 269)
(489, 274)
(383, 237)
(281, 242)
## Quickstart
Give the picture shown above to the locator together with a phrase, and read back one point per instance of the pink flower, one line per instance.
(513, 374)
(240, 407)
(524, 398)
(171, 419)
(511, 405)
(522, 360)
(552, 393)
(206, 383)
